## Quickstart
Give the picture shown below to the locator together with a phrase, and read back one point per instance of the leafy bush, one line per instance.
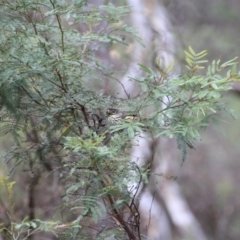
(49, 68)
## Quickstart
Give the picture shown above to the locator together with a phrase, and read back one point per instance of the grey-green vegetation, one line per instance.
(49, 67)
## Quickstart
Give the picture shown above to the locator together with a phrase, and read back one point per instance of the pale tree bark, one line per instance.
(162, 205)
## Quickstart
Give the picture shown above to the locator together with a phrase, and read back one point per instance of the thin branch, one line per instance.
(83, 109)
(37, 102)
(60, 26)
(122, 85)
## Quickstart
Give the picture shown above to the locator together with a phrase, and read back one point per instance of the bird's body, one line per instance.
(116, 117)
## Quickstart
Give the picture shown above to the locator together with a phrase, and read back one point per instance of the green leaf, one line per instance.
(202, 54)
(191, 51)
(188, 55)
(202, 94)
(189, 61)
(130, 132)
(201, 61)
(214, 86)
(145, 69)
(229, 63)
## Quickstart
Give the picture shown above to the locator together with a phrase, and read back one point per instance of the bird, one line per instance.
(115, 116)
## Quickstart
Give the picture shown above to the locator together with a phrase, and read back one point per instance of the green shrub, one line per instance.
(49, 66)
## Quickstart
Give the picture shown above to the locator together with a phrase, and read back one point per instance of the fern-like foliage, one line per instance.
(49, 66)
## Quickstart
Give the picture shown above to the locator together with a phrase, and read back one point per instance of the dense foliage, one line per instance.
(50, 68)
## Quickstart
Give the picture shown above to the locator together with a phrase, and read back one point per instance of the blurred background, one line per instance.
(209, 177)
